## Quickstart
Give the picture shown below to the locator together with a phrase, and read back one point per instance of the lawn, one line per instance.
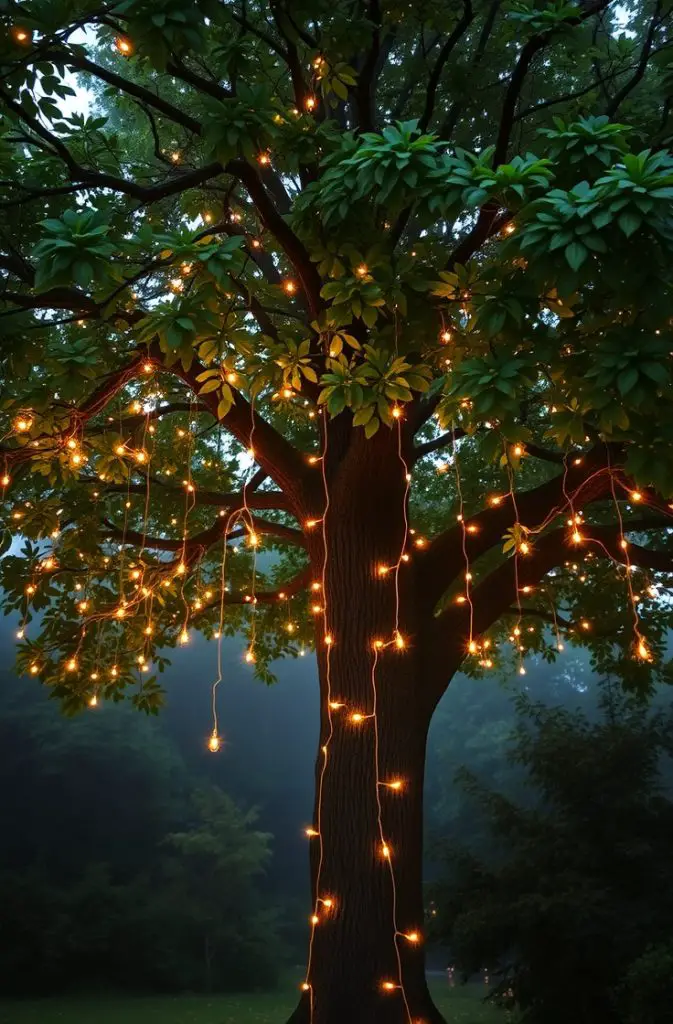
(460, 1006)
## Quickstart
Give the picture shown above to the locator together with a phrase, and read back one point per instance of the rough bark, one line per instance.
(360, 942)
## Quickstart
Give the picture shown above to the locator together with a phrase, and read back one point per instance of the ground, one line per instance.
(460, 1005)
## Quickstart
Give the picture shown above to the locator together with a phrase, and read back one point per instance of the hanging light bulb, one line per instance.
(214, 742)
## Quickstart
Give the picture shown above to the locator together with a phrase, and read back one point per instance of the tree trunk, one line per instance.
(366, 960)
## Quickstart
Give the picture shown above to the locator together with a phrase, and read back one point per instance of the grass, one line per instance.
(459, 1005)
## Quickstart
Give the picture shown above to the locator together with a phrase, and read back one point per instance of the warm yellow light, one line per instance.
(385, 851)
(362, 270)
(329, 639)
(473, 647)
(413, 937)
(388, 986)
(328, 903)
(34, 669)
(315, 919)
(48, 563)
(636, 496)
(20, 35)
(120, 612)
(397, 412)
(396, 784)
(305, 987)
(214, 742)
(517, 450)
(120, 449)
(524, 547)
(123, 45)
(316, 608)
(22, 424)
(643, 651)
(289, 287)
(472, 528)
(585, 625)
(310, 102)
(357, 717)
(184, 637)
(181, 569)
(264, 159)
(336, 704)
(5, 481)
(310, 524)
(420, 542)
(83, 605)
(114, 671)
(445, 336)
(522, 670)
(30, 589)
(577, 537)
(495, 499)
(140, 456)
(71, 664)
(249, 656)
(400, 642)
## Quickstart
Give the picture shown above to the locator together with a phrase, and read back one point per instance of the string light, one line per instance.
(124, 45)
(214, 743)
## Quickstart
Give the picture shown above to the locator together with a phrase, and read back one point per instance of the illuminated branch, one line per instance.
(279, 459)
(219, 499)
(443, 560)
(201, 542)
(290, 589)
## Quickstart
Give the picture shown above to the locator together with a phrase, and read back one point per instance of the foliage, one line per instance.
(576, 884)
(331, 221)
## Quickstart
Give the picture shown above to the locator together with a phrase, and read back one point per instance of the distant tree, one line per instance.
(577, 885)
(346, 236)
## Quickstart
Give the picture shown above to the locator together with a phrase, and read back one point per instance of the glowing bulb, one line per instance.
(315, 586)
(400, 642)
(636, 496)
(517, 450)
(250, 656)
(524, 547)
(264, 159)
(214, 743)
(413, 937)
(420, 542)
(289, 287)
(120, 612)
(120, 449)
(577, 537)
(335, 705)
(20, 633)
(93, 701)
(311, 833)
(83, 605)
(643, 651)
(22, 424)
(357, 717)
(72, 443)
(362, 270)
(311, 523)
(20, 35)
(445, 336)
(473, 647)
(315, 919)
(388, 986)
(140, 456)
(71, 665)
(305, 987)
(396, 784)
(397, 412)
(123, 45)
(184, 637)
(522, 670)
(385, 851)
(34, 669)
(181, 569)
(310, 102)
(147, 367)
(495, 499)
(30, 589)
(5, 481)
(329, 639)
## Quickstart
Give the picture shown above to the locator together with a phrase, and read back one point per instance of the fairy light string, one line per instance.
(330, 707)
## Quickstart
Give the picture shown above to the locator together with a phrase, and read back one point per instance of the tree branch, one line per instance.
(443, 56)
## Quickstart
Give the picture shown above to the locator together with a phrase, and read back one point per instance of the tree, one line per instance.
(345, 237)
(576, 887)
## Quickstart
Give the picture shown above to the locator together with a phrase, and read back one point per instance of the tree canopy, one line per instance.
(263, 222)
